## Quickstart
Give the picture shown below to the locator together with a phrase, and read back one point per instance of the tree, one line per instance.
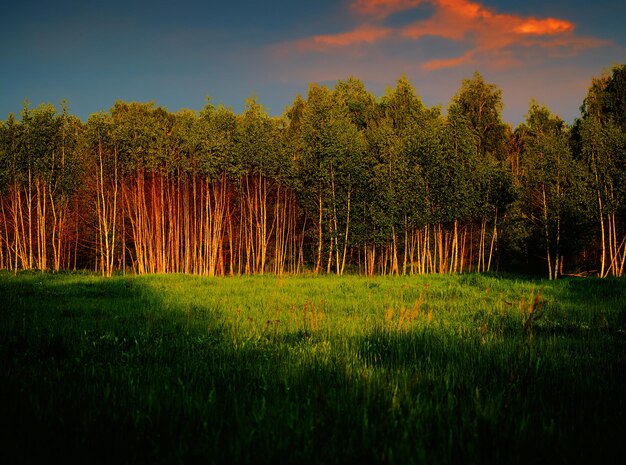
(39, 174)
(480, 104)
(547, 167)
(402, 135)
(107, 176)
(332, 146)
(257, 147)
(599, 140)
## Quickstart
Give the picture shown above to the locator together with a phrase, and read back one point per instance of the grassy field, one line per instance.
(436, 369)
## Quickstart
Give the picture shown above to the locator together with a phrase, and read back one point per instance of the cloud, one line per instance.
(363, 34)
(448, 62)
(489, 34)
(547, 26)
(486, 35)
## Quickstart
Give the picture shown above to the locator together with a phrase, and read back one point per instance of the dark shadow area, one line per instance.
(104, 371)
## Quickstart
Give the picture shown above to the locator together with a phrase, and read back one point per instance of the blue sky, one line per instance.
(177, 53)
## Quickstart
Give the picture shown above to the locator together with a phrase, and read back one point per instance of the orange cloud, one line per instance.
(454, 19)
(488, 35)
(433, 65)
(544, 26)
(464, 8)
(364, 34)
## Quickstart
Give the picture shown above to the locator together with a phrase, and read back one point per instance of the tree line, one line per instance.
(342, 182)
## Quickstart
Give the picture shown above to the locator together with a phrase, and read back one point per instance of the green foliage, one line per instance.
(332, 163)
(403, 149)
(141, 132)
(8, 140)
(549, 199)
(481, 104)
(216, 132)
(257, 141)
(606, 99)
(455, 179)
(42, 146)
(599, 142)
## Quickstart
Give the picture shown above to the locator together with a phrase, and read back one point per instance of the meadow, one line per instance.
(311, 369)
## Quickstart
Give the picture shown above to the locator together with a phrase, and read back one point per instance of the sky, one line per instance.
(178, 53)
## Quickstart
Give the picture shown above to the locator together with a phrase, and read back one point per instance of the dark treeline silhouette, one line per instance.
(342, 182)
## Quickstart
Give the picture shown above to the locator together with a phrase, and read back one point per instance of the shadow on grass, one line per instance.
(107, 371)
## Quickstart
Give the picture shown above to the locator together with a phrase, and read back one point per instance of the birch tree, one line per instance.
(547, 167)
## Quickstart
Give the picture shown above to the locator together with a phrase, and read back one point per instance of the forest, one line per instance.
(342, 182)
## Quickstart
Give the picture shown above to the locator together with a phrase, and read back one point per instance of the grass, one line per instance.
(436, 369)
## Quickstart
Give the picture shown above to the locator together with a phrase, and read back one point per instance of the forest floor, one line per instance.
(311, 369)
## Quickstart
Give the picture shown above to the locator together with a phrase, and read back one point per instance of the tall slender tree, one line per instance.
(600, 140)
(547, 167)
(480, 104)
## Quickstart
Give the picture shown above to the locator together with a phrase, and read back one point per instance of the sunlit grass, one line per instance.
(433, 369)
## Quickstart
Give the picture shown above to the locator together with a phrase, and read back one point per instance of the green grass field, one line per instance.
(435, 369)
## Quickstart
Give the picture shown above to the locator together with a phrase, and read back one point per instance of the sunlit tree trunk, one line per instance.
(320, 235)
(494, 238)
(106, 209)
